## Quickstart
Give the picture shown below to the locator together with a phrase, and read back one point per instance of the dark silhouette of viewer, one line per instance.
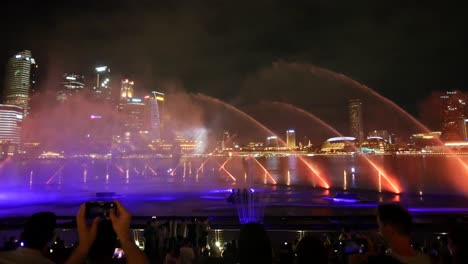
(395, 224)
(254, 245)
(311, 250)
(38, 231)
(458, 244)
(103, 247)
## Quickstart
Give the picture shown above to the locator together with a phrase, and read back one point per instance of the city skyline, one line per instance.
(402, 51)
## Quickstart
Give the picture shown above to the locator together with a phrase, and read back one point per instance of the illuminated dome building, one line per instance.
(339, 145)
(375, 145)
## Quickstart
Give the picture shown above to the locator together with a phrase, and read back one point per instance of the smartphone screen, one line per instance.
(98, 209)
(119, 253)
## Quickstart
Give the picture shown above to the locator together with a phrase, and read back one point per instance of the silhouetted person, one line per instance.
(120, 220)
(151, 242)
(38, 231)
(173, 254)
(103, 247)
(254, 245)
(395, 225)
(187, 255)
(10, 244)
(311, 250)
(458, 244)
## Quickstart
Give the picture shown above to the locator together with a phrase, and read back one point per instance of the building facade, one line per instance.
(70, 86)
(19, 80)
(355, 119)
(126, 89)
(453, 115)
(291, 139)
(155, 103)
(102, 91)
(11, 119)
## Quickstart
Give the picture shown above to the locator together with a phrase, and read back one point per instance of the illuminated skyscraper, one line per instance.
(11, 119)
(155, 103)
(272, 142)
(291, 139)
(102, 90)
(18, 80)
(132, 113)
(453, 116)
(355, 119)
(71, 84)
(126, 89)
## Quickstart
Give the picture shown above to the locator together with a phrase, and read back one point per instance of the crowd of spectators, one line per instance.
(185, 241)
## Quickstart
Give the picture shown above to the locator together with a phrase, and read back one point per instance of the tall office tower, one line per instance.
(225, 143)
(11, 119)
(126, 89)
(18, 80)
(291, 139)
(453, 116)
(70, 85)
(155, 103)
(132, 115)
(102, 91)
(355, 119)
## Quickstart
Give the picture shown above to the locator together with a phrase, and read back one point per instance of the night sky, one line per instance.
(402, 49)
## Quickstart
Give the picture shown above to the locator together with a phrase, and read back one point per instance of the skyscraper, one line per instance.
(102, 91)
(132, 113)
(453, 116)
(291, 139)
(70, 85)
(126, 89)
(11, 119)
(355, 119)
(155, 102)
(18, 80)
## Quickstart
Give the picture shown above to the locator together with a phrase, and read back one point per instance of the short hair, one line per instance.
(254, 244)
(39, 230)
(459, 236)
(311, 250)
(396, 216)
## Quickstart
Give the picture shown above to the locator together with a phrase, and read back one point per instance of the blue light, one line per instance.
(136, 100)
(353, 170)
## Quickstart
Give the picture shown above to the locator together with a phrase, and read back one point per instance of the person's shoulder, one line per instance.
(22, 255)
(422, 258)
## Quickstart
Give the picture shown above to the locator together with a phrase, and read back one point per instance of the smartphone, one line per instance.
(118, 253)
(98, 209)
(353, 246)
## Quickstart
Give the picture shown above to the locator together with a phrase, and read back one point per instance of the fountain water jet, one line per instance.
(315, 118)
(265, 170)
(236, 110)
(344, 78)
(221, 168)
(55, 174)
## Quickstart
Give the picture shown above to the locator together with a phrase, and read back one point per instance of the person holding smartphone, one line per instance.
(120, 219)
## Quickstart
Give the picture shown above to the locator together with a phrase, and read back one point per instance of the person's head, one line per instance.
(39, 230)
(187, 242)
(105, 242)
(311, 250)
(254, 244)
(393, 221)
(458, 240)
